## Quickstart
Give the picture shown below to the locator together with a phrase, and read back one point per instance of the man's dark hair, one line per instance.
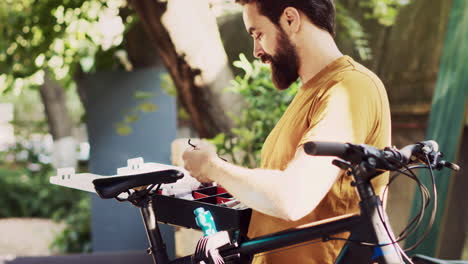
(319, 12)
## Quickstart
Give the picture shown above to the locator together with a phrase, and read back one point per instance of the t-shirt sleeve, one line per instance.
(345, 112)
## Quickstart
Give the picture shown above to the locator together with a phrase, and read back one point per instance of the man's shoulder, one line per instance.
(359, 83)
(358, 74)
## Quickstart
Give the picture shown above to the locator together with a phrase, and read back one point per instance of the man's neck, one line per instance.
(316, 52)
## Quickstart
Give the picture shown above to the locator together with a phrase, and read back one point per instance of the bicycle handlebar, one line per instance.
(316, 148)
(386, 159)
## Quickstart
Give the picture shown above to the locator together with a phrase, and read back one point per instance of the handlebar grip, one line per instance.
(317, 148)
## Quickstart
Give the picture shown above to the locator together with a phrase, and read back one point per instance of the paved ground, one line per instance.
(27, 236)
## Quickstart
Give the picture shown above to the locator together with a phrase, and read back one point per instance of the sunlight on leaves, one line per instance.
(131, 118)
(123, 129)
(148, 107)
(142, 95)
(167, 85)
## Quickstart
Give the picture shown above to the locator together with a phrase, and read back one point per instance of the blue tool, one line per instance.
(205, 221)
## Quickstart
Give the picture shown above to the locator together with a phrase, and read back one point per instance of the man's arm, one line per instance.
(293, 193)
(290, 194)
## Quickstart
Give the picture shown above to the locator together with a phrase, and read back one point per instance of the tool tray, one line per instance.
(177, 211)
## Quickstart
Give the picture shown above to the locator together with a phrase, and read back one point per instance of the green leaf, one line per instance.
(167, 85)
(148, 107)
(218, 139)
(264, 106)
(142, 95)
(182, 114)
(123, 129)
(131, 118)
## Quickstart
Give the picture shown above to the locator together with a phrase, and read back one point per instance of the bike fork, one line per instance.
(371, 230)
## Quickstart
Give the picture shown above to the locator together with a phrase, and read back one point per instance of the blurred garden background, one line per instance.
(80, 77)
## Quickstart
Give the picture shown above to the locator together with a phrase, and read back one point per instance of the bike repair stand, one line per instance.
(143, 200)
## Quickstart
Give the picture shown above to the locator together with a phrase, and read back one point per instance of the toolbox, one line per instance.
(180, 212)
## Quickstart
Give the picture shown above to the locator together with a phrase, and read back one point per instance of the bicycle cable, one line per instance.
(434, 209)
(425, 199)
(417, 219)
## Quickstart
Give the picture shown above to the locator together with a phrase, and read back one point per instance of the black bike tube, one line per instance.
(157, 247)
(293, 237)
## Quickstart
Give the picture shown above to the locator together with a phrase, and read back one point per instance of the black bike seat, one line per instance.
(110, 187)
(421, 259)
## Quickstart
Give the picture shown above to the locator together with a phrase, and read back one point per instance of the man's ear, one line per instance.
(290, 20)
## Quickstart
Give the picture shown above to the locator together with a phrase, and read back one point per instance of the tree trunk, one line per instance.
(186, 36)
(59, 121)
(78, 77)
(410, 57)
(53, 98)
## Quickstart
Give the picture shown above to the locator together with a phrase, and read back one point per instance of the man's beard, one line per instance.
(284, 64)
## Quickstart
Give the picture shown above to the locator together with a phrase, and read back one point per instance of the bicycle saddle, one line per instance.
(421, 259)
(110, 187)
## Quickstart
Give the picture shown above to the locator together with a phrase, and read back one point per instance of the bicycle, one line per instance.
(371, 239)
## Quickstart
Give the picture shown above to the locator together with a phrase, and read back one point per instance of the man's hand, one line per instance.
(198, 159)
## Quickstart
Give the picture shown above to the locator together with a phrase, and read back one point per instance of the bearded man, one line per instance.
(340, 100)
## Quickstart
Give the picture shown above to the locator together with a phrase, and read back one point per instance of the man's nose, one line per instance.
(258, 50)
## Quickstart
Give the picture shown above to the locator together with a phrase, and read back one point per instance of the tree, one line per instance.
(186, 36)
(23, 48)
(43, 44)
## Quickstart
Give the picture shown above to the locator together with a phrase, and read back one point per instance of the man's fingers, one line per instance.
(186, 154)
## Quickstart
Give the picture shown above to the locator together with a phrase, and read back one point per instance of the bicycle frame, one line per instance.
(369, 226)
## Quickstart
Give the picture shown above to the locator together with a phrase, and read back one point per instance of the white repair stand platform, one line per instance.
(84, 181)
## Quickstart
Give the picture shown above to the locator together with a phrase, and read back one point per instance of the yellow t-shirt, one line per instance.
(305, 120)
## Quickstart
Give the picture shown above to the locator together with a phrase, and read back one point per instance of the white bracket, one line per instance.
(68, 178)
(133, 165)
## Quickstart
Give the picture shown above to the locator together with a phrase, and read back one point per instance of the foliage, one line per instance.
(29, 116)
(167, 85)
(354, 31)
(56, 36)
(124, 127)
(132, 115)
(26, 192)
(384, 11)
(265, 106)
(78, 238)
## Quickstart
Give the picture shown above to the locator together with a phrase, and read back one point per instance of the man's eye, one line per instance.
(259, 36)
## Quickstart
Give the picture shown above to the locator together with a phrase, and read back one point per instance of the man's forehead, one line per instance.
(252, 18)
(247, 17)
